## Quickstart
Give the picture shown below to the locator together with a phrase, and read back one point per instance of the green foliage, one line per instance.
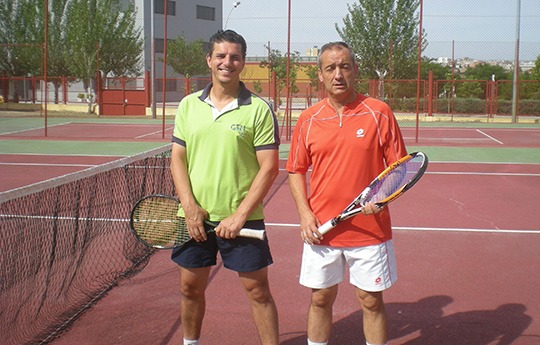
(440, 72)
(58, 58)
(486, 71)
(21, 26)
(79, 32)
(470, 89)
(278, 64)
(374, 27)
(535, 71)
(257, 86)
(101, 27)
(312, 71)
(186, 58)
(529, 89)
(120, 43)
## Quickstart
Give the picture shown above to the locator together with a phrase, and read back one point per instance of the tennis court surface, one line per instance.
(467, 239)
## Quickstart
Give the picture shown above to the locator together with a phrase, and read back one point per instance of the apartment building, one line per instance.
(192, 19)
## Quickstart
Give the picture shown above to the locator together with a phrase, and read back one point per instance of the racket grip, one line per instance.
(252, 233)
(329, 225)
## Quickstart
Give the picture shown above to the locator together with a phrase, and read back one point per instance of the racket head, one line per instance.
(395, 180)
(155, 222)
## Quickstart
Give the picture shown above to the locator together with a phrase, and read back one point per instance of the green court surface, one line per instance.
(469, 154)
(86, 148)
(107, 148)
(14, 124)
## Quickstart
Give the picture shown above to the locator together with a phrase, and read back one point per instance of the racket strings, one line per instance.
(156, 222)
(395, 180)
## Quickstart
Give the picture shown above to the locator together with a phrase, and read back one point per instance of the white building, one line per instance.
(192, 19)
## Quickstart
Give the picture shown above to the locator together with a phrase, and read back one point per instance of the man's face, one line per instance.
(338, 72)
(226, 62)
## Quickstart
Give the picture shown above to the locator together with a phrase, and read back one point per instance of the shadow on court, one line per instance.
(424, 322)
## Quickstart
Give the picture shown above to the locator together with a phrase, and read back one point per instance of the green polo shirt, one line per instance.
(221, 158)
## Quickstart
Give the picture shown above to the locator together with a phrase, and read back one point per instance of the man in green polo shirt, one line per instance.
(224, 161)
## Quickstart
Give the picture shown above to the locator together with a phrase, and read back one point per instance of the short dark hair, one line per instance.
(339, 45)
(227, 36)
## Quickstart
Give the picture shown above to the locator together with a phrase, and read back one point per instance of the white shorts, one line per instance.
(371, 268)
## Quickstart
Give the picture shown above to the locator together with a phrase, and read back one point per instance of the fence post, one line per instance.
(99, 92)
(430, 93)
(274, 90)
(148, 87)
(64, 90)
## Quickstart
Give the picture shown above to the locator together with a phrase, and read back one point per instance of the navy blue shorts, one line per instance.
(239, 254)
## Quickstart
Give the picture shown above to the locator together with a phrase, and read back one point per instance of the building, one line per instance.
(192, 19)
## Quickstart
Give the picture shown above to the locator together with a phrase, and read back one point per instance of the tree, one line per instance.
(102, 27)
(120, 44)
(58, 59)
(278, 64)
(440, 72)
(312, 71)
(373, 27)
(21, 37)
(186, 58)
(535, 71)
(484, 71)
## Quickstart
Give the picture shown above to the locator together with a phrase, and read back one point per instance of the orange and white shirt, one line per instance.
(345, 156)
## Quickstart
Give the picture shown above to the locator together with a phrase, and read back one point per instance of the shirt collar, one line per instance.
(244, 98)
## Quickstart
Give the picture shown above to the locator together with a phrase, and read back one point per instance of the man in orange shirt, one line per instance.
(347, 139)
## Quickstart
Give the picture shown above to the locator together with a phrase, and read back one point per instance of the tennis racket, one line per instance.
(395, 180)
(155, 222)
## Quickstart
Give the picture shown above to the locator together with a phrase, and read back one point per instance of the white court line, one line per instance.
(61, 154)
(282, 225)
(475, 173)
(83, 219)
(405, 228)
(35, 128)
(489, 136)
(49, 164)
(152, 133)
(468, 139)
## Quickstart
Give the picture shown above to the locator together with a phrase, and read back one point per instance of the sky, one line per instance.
(480, 29)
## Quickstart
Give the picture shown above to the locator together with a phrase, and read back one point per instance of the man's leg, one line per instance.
(374, 315)
(193, 283)
(320, 314)
(263, 306)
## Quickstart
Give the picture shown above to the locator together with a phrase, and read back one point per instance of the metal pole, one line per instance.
(235, 5)
(152, 60)
(515, 93)
(164, 77)
(288, 112)
(45, 52)
(453, 81)
(418, 73)
(269, 73)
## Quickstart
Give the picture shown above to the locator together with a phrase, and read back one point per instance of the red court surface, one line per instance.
(467, 243)
(476, 137)
(433, 136)
(96, 131)
(21, 170)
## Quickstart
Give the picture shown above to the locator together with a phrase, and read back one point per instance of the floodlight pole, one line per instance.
(288, 112)
(164, 77)
(45, 52)
(515, 92)
(235, 5)
(152, 59)
(419, 71)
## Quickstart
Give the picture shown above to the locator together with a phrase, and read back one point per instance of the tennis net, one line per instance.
(66, 242)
